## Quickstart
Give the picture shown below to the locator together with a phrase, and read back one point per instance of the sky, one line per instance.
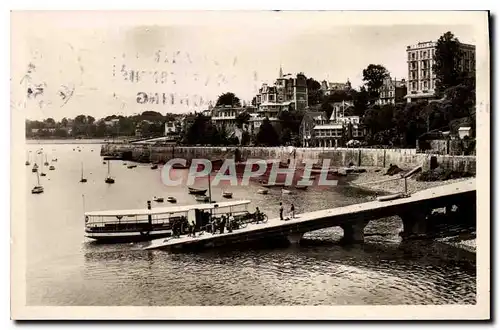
(80, 62)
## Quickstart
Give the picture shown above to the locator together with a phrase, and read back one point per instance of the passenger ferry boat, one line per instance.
(137, 225)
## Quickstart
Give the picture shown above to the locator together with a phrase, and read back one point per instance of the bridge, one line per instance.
(413, 211)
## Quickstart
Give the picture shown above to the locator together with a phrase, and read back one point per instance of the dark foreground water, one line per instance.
(66, 269)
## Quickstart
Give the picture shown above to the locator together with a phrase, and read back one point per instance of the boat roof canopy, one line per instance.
(163, 210)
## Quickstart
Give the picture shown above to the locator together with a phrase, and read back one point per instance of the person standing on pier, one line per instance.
(281, 211)
(230, 224)
(292, 211)
(193, 228)
(223, 225)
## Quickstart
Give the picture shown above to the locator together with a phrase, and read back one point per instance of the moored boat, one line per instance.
(202, 198)
(109, 179)
(82, 179)
(171, 199)
(227, 194)
(38, 189)
(158, 199)
(137, 225)
(301, 187)
(197, 191)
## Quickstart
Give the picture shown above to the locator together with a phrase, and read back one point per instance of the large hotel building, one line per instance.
(421, 78)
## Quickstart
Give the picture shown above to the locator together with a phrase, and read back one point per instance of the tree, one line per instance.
(327, 108)
(64, 122)
(254, 101)
(314, 92)
(242, 119)
(447, 62)
(200, 131)
(228, 99)
(267, 135)
(90, 120)
(360, 101)
(50, 122)
(290, 124)
(101, 129)
(374, 76)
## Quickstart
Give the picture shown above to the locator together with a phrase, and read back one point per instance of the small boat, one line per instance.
(158, 199)
(197, 191)
(54, 159)
(38, 189)
(171, 199)
(390, 197)
(284, 191)
(262, 191)
(52, 167)
(104, 162)
(227, 194)
(132, 166)
(125, 164)
(41, 172)
(154, 166)
(82, 178)
(46, 162)
(35, 168)
(27, 163)
(201, 198)
(301, 187)
(109, 179)
(179, 166)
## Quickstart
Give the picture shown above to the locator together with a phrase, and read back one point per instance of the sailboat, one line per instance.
(38, 189)
(46, 161)
(109, 179)
(35, 168)
(41, 172)
(83, 179)
(27, 160)
(153, 166)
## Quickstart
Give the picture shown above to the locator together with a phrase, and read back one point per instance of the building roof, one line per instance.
(330, 126)
(420, 95)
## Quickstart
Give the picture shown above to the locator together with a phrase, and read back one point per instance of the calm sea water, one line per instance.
(64, 268)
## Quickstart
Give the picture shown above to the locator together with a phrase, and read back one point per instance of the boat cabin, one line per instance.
(148, 223)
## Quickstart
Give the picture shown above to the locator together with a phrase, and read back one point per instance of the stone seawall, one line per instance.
(404, 158)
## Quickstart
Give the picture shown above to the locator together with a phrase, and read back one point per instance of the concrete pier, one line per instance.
(413, 210)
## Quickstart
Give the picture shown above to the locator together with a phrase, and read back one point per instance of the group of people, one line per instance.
(282, 210)
(226, 221)
(222, 223)
(180, 227)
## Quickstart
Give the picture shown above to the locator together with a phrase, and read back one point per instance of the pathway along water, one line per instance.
(63, 268)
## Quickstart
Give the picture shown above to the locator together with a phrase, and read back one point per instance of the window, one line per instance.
(425, 84)
(412, 56)
(414, 86)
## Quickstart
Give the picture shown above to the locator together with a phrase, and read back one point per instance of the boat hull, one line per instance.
(127, 237)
